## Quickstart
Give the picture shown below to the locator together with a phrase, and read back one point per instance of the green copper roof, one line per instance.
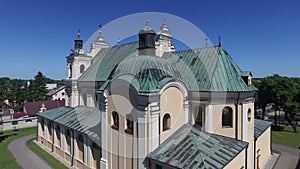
(83, 119)
(105, 62)
(211, 68)
(190, 147)
(260, 126)
(145, 72)
(207, 69)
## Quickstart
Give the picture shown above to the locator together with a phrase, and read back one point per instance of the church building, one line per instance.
(145, 105)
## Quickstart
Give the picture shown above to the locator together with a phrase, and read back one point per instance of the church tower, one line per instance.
(163, 41)
(147, 41)
(99, 44)
(77, 63)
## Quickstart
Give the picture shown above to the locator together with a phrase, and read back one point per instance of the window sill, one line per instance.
(115, 127)
(227, 127)
(129, 131)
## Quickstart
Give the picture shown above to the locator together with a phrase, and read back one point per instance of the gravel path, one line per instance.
(24, 156)
(289, 157)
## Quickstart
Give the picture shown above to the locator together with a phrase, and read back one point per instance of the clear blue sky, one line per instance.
(37, 35)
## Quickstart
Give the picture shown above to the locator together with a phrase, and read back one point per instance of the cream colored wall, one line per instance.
(171, 102)
(263, 144)
(250, 132)
(121, 146)
(238, 162)
(217, 121)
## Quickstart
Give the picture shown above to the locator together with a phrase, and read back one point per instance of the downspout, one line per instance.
(246, 158)
(254, 159)
(72, 149)
(52, 139)
(236, 116)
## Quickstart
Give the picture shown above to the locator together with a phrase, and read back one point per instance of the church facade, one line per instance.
(145, 105)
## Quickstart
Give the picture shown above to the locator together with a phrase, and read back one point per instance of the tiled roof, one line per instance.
(260, 126)
(83, 119)
(32, 108)
(190, 147)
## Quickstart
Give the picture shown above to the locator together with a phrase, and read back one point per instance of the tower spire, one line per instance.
(78, 35)
(219, 40)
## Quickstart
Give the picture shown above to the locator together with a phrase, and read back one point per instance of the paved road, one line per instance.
(24, 156)
(289, 157)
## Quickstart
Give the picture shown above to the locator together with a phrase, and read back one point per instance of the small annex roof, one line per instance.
(260, 126)
(191, 147)
(83, 119)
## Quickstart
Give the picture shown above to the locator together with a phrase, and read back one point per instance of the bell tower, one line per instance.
(77, 63)
(147, 40)
(163, 41)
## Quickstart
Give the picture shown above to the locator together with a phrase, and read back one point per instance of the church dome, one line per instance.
(151, 72)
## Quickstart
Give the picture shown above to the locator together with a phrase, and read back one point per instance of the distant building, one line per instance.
(33, 108)
(145, 105)
(56, 94)
(6, 111)
(50, 86)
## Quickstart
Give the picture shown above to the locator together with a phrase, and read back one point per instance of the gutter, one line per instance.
(72, 149)
(254, 159)
(236, 115)
(52, 139)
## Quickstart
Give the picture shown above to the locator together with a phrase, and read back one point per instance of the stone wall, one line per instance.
(18, 123)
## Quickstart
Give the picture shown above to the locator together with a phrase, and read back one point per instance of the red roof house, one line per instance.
(32, 108)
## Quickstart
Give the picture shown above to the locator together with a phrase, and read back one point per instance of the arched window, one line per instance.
(80, 138)
(81, 68)
(249, 115)
(227, 117)
(57, 132)
(80, 147)
(68, 140)
(198, 118)
(50, 130)
(115, 118)
(166, 122)
(42, 125)
(129, 124)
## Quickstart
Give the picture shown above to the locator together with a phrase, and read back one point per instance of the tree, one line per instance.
(282, 91)
(39, 87)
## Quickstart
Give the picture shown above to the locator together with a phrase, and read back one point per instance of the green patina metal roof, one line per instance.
(146, 73)
(260, 126)
(82, 119)
(190, 147)
(106, 62)
(210, 68)
(207, 69)
(54, 113)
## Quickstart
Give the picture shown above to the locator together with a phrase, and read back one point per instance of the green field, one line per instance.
(53, 162)
(7, 161)
(285, 135)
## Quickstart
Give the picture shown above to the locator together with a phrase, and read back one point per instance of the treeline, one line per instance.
(16, 91)
(283, 92)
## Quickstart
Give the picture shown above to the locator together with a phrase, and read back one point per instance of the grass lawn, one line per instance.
(7, 160)
(53, 162)
(284, 135)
